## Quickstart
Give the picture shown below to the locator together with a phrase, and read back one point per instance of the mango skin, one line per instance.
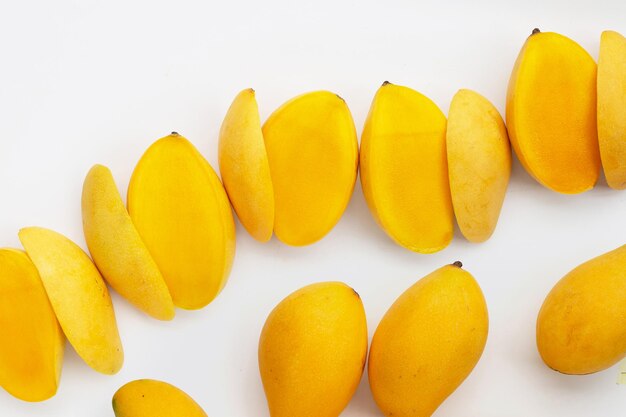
(79, 297)
(117, 249)
(245, 168)
(313, 153)
(428, 343)
(479, 163)
(612, 108)
(182, 214)
(31, 341)
(312, 351)
(151, 398)
(404, 169)
(581, 327)
(551, 113)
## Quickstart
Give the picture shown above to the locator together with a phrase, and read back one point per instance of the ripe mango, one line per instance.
(245, 168)
(479, 163)
(612, 107)
(312, 351)
(313, 154)
(182, 213)
(404, 169)
(150, 398)
(117, 249)
(581, 327)
(428, 343)
(31, 341)
(551, 113)
(79, 297)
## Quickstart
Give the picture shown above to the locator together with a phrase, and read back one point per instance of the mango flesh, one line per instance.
(31, 341)
(612, 107)
(150, 398)
(581, 327)
(428, 343)
(404, 169)
(79, 297)
(182, 214)
(551, 113)
(245, 168)
(479, 163)
(312, 351)
(117, 249)
(313, 155)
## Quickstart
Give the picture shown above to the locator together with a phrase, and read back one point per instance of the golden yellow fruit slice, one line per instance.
(244, 166)
(479, 163)
(313, 153)
(31, 341)
(551, 113)
(117, 250)
(78, 296)
(427, 343)
(182, 213)
(150, 398)
(404, 169)
(612, 107)
(312, 351)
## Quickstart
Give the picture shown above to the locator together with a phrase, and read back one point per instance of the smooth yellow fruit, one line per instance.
(404, 169)
(244, 166)
(313, 154)
(581, 327)
(479, 163)
(31, 341)
(150, 398)
(428, 343)
(551, 113)
(312, 351)
(181, 211)
(116, 248)
(78, 296)
(612, 107)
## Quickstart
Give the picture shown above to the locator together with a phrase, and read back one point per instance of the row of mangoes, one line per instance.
(293, 177)
(313, 348)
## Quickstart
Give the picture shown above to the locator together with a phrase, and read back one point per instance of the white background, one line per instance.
(84, 82)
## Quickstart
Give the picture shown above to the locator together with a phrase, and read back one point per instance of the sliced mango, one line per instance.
(313, 153)
(31, 341)
(78, 296)
(245, 168)
(479, 163)
(404, 169)
(182, 213)
(612, 108)
(551, 113)
(117, 249)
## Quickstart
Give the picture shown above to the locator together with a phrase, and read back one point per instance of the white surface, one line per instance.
(86, 82)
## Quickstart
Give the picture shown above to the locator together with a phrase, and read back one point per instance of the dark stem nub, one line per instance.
(535, 30)
(174, 133)
(458, 264)
(385, 83)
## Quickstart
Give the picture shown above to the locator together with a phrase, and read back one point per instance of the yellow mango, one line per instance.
(612, 107)
(313, 155)
(581, 327)
(31, 341)
(428, 343)
(404, 169)
(79, 297)
(244, 166)
(312, 351)
(479, 163)
(117, 250)
(150, 398)
(181, 212)
(551, 113)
